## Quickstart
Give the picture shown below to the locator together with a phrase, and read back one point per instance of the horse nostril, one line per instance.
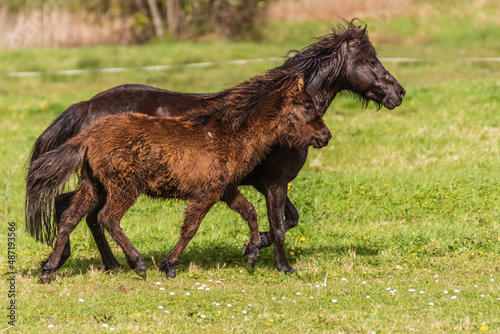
(402, 93)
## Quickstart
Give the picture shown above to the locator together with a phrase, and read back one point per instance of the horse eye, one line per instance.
(372, 62)
(308, 106)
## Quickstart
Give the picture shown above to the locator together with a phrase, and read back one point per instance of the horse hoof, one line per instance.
(287, 270)
(170, 273)
(252, 261)
(141, 273)
(45, 277)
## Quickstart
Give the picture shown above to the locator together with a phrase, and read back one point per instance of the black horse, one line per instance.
(344, 60)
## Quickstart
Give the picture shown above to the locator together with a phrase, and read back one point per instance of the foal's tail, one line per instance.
(46, 177)
(64, 127)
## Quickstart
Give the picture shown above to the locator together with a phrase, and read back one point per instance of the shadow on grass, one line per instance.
(206, 256)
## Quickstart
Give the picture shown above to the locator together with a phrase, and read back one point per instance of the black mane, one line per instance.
(329, 51)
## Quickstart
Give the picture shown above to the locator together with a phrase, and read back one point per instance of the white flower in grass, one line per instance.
(207, 289)
(334, 300)
(298, 293)
(244, 312)
(105, 325)
(311, 297)
(431, 304)
(203, 316)
(229, 305)
(364, 282)
(172, 293)
(283, 297)
(81, 300)
(243, 291)
(158, 283)
(295, 302)
(482, 296)
(367, 297)
(492, 279)
(436, 276)
(249, 305)
(445, 291)
(167, 312)
(457, 291)
(50, 326)
(187, 293)
(388, 289)
(411, 290)
(210, 280)
(160, 307)
(344, 279)
(475, 285)
(274, 298)
(453, 297)
(422, 292)
(111, 329)
(162, 289)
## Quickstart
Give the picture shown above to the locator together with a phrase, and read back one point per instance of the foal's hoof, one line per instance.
(141, 273)
(112, 266)
(45, 277)
(287, 270)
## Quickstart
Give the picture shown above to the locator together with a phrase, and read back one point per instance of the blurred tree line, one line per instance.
(228, 19)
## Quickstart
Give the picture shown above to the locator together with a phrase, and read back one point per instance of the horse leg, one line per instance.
(110, 217)
(85, 198)
(107, 256)
(61, 204)
(195, 212)
(291, 221)
(235, 200)
(275, 200)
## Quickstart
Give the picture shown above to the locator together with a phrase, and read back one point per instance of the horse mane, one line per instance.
(329, 51)
(244, 99)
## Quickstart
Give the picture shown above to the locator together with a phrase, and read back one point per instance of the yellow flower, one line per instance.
(21, 116)
(138, 314)
(13, 108)
(292, 253)
(303, 239)
(413, 254)
(484, 328)
(26, 106)
(271, 321)
(44, 105)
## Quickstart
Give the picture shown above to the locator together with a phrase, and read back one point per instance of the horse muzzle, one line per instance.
(322, 140)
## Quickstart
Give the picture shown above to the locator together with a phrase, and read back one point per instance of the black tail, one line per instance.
(46, 177)
(64, 127)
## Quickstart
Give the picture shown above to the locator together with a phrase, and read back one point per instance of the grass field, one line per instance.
(399, 227)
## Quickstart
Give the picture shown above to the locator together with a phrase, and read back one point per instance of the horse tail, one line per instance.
(46, 177)
(64, 127)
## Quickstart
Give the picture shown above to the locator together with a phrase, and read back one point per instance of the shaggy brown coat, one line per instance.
(201, 157)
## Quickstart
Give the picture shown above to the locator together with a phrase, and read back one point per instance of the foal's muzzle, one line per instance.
(322, 139)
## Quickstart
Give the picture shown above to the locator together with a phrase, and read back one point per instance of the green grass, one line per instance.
(397, 198)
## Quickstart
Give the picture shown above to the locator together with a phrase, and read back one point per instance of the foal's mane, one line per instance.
(329, 51)
(240, 102)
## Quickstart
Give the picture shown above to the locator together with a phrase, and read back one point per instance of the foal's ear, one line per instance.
(364, 29)
(296, 87)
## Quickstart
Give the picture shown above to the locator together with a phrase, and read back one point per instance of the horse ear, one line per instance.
(297, 86)
(364, 29)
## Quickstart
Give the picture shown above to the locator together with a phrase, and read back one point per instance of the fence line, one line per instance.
(231, 62)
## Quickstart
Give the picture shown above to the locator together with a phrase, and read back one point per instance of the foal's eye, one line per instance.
(308, 106)
(372, 62)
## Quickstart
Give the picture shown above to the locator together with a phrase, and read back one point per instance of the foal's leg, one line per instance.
(109, 217)
(195, 212)
(62, 202)
(84, 200)
(235, 200)
(97, 230)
